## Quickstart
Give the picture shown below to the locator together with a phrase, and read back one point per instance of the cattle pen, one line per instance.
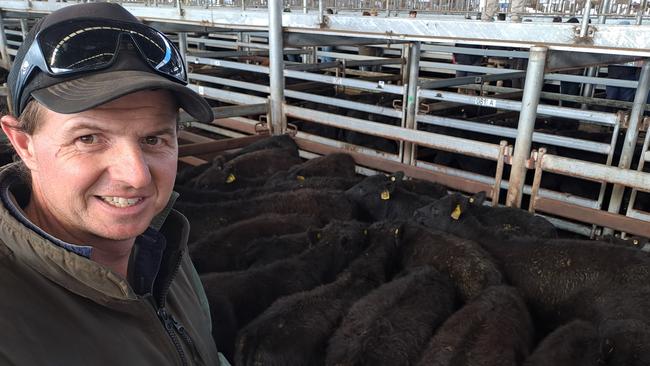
(410, 68)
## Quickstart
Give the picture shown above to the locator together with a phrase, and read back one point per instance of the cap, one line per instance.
(79, 92)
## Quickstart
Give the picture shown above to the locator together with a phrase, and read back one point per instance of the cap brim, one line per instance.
(90, 91)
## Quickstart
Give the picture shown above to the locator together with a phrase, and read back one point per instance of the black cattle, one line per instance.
(494, 329)
(242, 244)
(322, 204)
(424, 188)
(574, 344)
(626, 342)
(551, 274)
(469, 266)
(469, 218)
(281, 142)
(236, 298)
(202, 196)
(295, 329)
(382, 198)
(337, 165)
(391, 325)
(246, 170)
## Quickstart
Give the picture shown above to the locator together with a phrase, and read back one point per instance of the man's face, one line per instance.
(106, 172)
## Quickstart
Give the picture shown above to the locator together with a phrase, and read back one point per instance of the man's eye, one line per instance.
(151, 140)
(87, 139)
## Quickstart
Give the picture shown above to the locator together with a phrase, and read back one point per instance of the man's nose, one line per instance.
(129, 166)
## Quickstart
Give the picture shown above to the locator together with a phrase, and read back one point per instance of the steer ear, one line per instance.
(394, 180)
(478, 198)
(314, 236)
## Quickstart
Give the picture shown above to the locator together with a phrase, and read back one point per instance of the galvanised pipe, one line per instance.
(182, 46)
(639, 15)
(642, 160)
(24, 28)
(501, 131)
(4, 54)
(411, 100)
(530, 100)
(605, 9)
(584, 25)
(595, 172)
(276, 68)
(629, 143)
(608, 119)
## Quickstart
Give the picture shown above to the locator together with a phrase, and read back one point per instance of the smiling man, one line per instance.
(93, 260)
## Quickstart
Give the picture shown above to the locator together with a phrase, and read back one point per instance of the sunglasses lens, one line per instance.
(90, 46)
(87, 48)
(159, 53)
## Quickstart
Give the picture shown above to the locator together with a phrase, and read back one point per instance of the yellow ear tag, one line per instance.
(471, 200)
(392, 179)
(385, 195)
(396, 231)
(318, 236)
(300, 178)
(365, 231)
(635, 242)
(231, 178)
(456, 213)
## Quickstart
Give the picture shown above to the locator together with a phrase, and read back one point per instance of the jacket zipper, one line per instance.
(170, 323)
(172, 326)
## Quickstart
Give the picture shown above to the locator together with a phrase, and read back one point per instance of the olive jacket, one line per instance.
(60, 308)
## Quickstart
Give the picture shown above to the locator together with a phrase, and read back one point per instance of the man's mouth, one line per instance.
(120, 202)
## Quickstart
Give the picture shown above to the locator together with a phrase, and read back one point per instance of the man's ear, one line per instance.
(21, 141)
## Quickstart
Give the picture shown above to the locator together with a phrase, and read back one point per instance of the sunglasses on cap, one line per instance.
(82, 46)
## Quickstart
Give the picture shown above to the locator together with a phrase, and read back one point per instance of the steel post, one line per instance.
(605, 9)
(4, 54)
(629, 143)
(182, 46)
(411, 101)
(276, 68)
(639, 14)
(304, 6)
(321, 10)
(24, 28)
(529, 102)
(588, 88)
(584, 25)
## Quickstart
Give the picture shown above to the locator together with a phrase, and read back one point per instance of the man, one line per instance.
(93, 261)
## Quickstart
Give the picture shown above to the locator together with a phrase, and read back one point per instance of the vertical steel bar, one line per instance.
(629, 142)
(530, 100)
(321, 10)
(498, 175)
(411, 101)
(610, 159)
(537, 179)
(276, 68)
(588, 88)
(24, 28)
(604, 11)
(584, 25)
(4, 54)
(639, 14)
(639, 168)
(182, 46)
(304, 6)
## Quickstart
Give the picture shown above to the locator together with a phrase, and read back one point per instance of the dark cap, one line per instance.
(80, 92)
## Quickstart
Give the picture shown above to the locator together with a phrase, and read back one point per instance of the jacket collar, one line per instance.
(78, 273)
